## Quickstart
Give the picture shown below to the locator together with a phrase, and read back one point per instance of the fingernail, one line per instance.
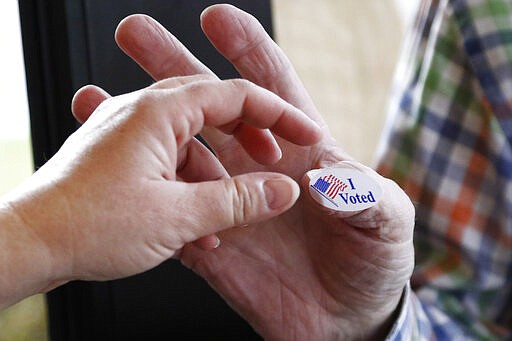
(217, 242)
(280, 193)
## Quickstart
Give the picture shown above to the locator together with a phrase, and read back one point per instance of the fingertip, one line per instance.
(317, 132)
(123, 27)
(230, 29)
(128, 25)
(208, 243)
(213, 10)
(86, 100)
(204, 14)
(207, 18)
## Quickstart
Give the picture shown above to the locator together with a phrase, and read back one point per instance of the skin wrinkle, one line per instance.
(163, 248)
(161, 242)
(71, 230)
(264, 62)
(285, 290)
(183, 160)
(200, 264)
(284, 287)
(276, 266)
(381, 223)
(158, 153)
(242, 199)
(360, 293)
(244, 86)
(188, 225)
(273, 70)
(348, 279)
(243, 34)
(183, 126)
(272, 66)
(257, 43)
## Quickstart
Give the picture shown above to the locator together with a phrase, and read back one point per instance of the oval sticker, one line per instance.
(343, 189)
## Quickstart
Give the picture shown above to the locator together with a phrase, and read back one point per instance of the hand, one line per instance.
(114, 200)
(304, 274)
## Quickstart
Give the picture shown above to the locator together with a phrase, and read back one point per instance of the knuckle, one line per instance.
(399, 213)
(207, 77)
(242, 202)
(143, 101)
(240, 84)
(108, 103)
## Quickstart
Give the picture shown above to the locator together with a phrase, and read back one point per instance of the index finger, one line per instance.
(221, 104)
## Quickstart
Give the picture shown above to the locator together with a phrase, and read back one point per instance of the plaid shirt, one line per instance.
(448, 143)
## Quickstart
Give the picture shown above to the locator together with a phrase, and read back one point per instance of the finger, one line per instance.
(216, 205)
(86, 100)
(208, 243)
(268, 151)
(157, 51)
(243, 41)
(197, 163)
(247, 102)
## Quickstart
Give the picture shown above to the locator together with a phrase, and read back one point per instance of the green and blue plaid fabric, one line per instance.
(448, 143)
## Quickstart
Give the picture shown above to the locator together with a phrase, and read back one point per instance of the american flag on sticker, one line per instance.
(330, 185)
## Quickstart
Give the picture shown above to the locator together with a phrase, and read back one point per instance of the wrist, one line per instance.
(385, 325)
(28, 263)
(375, 323)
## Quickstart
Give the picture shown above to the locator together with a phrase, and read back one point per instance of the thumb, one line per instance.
(212, 206)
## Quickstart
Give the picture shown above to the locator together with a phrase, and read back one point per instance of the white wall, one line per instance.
(346, 51)
(13, 97)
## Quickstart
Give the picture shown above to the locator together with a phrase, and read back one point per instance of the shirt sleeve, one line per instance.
(419, 320)
(412, 322)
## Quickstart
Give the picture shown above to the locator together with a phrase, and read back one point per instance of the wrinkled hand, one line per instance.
(306, 274)
(121, 195)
